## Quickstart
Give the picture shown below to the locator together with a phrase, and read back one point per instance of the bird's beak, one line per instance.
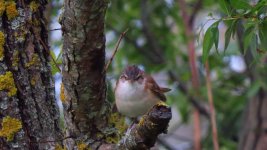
(131, 81)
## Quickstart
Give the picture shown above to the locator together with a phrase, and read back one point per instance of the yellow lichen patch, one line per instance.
(36, 22)
(11, 10)
(7, 83)
(113, 140)
(1, 53)
(34, 61)
(59, 147)
(2, 42)
(2, 38)
(99, 135)
(62, 94)
(141, 122)
(10, 126)
(82, 146)
(15, 59)
(161, 103)
(2, 7)
(34, 6)
(118, 121)
(33, 81)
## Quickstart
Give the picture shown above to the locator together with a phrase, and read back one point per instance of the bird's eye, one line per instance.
(123, 77)
(139, 77)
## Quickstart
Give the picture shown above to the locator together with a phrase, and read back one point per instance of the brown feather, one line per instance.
(164, 90)
(155, 89)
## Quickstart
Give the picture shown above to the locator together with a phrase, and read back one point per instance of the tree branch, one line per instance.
(149, 54)
(142, 136)
(212, 108)
(192, 61)
(196, 8)
(115, 50)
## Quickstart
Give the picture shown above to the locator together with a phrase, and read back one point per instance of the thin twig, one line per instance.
(48, 51)
(196, 8)
(212, 109)
(115, 50)
(193, 67)
(149, 54)
(54, 29)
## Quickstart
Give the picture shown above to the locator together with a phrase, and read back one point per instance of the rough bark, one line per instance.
(143, 136)
(85, 108)
(26, 60)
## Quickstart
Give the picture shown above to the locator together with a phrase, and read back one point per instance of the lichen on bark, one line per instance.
(11, 10)
(10, 126)
(33, 104)
(7, 84)
(2, 42)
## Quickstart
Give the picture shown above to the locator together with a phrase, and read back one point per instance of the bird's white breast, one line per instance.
(132, 100)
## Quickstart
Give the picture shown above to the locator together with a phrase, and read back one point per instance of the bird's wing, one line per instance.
(155, 89)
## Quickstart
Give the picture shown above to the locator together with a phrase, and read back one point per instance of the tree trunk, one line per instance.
(85, 107)
(253, 134)
(28, 111)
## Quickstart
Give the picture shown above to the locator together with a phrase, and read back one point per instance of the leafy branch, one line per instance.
(239, 11)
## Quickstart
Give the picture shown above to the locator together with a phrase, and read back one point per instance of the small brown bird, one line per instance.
(136, 92)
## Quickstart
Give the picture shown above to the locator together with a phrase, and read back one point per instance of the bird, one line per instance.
(136, 92)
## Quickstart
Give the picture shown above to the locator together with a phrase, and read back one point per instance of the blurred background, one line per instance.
(165, 38)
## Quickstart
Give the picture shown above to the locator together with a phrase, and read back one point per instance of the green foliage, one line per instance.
(229, 32)
(211, 37)
(237, 11)
(55, 62)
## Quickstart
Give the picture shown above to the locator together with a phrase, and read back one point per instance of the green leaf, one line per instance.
(240, 4)
(258, 6)
(209, 40)
(59, 58)
(229, 32)
(216, 37)
(227, 37)
(54, 68)
(254, 42)
(225, 6)
(263, 35)
(52, 54)
(249, 33)
(253, 47)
